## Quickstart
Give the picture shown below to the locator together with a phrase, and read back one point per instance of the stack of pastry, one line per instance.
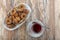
(16, 16)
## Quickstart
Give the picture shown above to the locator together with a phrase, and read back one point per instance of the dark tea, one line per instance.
(36, 27)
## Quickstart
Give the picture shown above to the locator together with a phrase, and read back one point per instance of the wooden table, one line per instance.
(37, 12)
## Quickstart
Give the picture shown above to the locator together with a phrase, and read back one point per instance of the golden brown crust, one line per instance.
(11, 26)
(13, 12)
(8, 21)
(21, 6)
(26, 11)
(23, 15)
(18, 19)
(15, 21)
(16, 15)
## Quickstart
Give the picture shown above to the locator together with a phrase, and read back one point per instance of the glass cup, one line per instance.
(30, 30)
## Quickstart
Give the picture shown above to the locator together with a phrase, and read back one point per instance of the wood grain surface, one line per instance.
(48, 16)
(57, 19)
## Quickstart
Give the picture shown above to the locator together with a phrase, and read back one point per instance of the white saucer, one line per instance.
(31, 33)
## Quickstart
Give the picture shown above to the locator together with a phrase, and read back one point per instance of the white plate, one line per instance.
(33, 34)
(19, 25)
